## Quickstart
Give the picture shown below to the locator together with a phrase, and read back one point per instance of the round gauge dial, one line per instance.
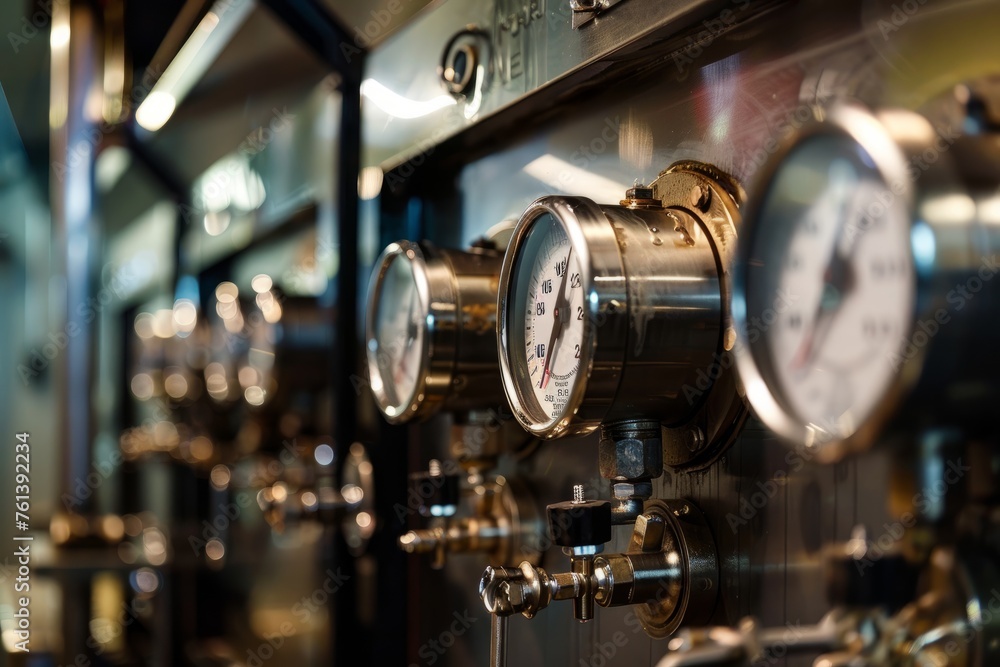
(431, 334)
(397, 332)
(547, 319)
(607, 313)
(828, 290)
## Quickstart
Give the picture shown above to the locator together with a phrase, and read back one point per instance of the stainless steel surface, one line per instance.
(533, 44)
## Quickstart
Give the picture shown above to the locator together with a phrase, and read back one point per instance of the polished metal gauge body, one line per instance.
(863, 294)
(430, 330)
(609, 313)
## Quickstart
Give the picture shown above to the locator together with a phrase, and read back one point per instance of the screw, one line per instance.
(434, 467)
(700, 197)
(697, 440)
(578, 494)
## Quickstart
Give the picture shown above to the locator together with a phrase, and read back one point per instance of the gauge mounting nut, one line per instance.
(632, 451)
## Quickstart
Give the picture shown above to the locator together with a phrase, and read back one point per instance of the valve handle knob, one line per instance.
(580, 522)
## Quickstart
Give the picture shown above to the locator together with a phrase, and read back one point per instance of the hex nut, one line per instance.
(631, 458)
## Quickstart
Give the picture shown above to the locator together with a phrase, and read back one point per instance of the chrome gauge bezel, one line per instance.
(595, 247)
(890, 161)
(434, 292)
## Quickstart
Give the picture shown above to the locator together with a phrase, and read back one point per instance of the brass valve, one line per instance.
(670, 572)
(504, 524)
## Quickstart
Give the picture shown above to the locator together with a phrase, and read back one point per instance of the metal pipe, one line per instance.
(75, 72)
(498, 641)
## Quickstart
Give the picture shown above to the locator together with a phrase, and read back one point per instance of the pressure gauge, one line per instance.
(430, 330)
(848, 293)
(610, 313)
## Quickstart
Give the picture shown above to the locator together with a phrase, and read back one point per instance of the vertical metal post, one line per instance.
(75, 136)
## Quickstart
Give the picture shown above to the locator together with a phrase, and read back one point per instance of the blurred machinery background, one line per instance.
(540, 332)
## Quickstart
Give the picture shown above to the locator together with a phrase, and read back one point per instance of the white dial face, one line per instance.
(397, 342)
(546, 320)
(833, 302)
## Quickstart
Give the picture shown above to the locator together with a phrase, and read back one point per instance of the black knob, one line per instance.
(580, 524)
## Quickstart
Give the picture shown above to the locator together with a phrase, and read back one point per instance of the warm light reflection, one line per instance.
(144, 326)
(202, 449)
(352, 493)
(155, 110)
(261, 283)
(154, 545)
(370, 183)
(142, 386)
(215, 381)
(248, 376)
(398, 106)
(220, 476)
(269, 307)
(226, 292)
(215, 549)
(191, 62)
(255, 395)
(217, 222)
(175, 385)
(565, 177)
(279, 492)
(185, 316)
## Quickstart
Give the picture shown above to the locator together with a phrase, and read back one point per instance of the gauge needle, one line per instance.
(557, 322)
(838, 281)
(411, 335)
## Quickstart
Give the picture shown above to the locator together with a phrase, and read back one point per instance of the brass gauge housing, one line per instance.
(863, 294)
(610, 313)
(430, 338)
